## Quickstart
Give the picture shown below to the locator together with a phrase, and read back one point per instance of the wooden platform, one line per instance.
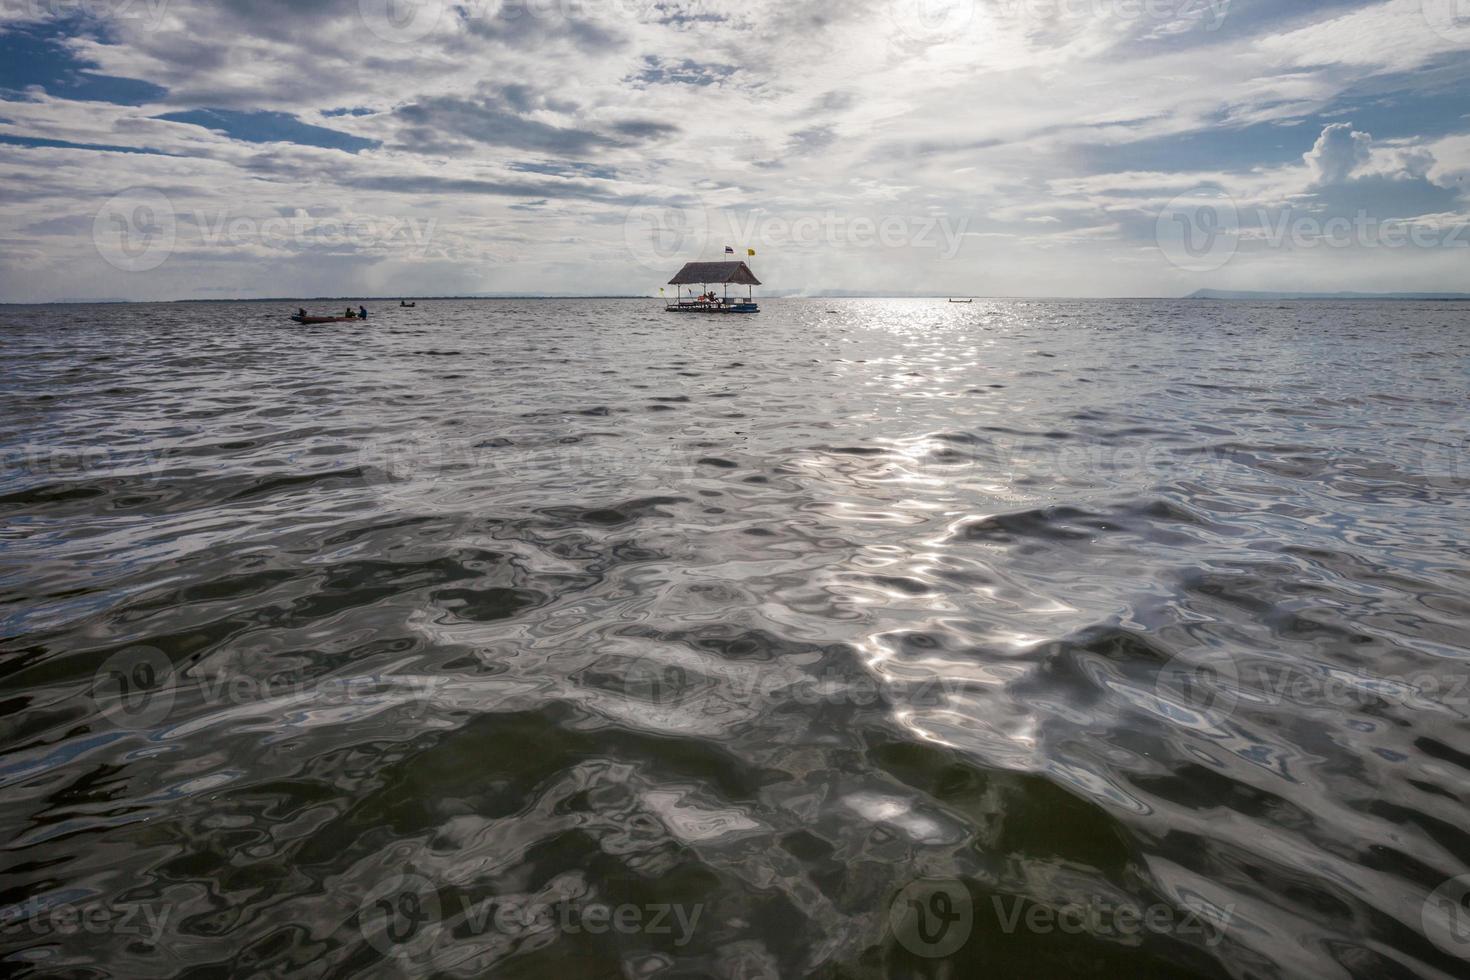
(712, 308)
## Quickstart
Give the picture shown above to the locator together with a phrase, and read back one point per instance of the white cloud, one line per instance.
(1393, 36)
(1337, 153)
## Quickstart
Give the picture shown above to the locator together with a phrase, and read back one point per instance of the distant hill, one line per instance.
(1236, 294)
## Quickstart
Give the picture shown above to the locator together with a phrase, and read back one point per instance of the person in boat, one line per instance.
(362, 312)
(301, 312)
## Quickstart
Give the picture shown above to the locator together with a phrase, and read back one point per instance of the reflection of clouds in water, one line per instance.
(1094, 785)
(1007, 743)
(689, 822)
(904, 815)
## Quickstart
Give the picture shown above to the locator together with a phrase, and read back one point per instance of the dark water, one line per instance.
(860, 638)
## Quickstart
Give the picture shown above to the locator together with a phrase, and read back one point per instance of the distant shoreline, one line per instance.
(1247, 296)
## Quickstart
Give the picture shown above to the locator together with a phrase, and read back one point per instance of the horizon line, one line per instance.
(1227, 296)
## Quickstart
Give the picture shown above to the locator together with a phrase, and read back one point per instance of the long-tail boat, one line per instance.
(297, 317)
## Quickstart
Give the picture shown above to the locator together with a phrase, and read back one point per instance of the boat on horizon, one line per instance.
(298, 318)
(706, 274)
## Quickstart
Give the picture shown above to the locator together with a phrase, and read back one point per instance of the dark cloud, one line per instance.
(813, 139)
(283, 18)
(645, 129)
(521, 24)
(74, 224)
(449, 124)
(444, 120)
(427, 184)
(836, 101)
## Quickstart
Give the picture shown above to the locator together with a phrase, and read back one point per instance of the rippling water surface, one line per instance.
(858, 638)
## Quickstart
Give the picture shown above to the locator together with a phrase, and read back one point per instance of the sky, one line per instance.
(172, 149)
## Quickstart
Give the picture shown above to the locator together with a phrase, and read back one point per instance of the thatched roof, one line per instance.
(705, 273)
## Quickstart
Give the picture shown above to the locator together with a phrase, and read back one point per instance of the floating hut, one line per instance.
(706, 275)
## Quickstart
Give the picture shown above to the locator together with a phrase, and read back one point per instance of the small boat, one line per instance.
(962, 301)
(407, 306)
(718, 273)
(297, 317)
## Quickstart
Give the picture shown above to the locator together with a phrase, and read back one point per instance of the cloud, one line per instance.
(813, 139)
(531, 22)
(1338, 152)
(1391, 36)
(446, 124)
(644, 129)
(443, 124)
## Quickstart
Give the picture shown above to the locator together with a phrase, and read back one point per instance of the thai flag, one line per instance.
(729, 250)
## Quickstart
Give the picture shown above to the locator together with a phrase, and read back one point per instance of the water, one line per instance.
(858, 638)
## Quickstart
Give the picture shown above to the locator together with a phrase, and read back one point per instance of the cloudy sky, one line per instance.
(236, 148)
